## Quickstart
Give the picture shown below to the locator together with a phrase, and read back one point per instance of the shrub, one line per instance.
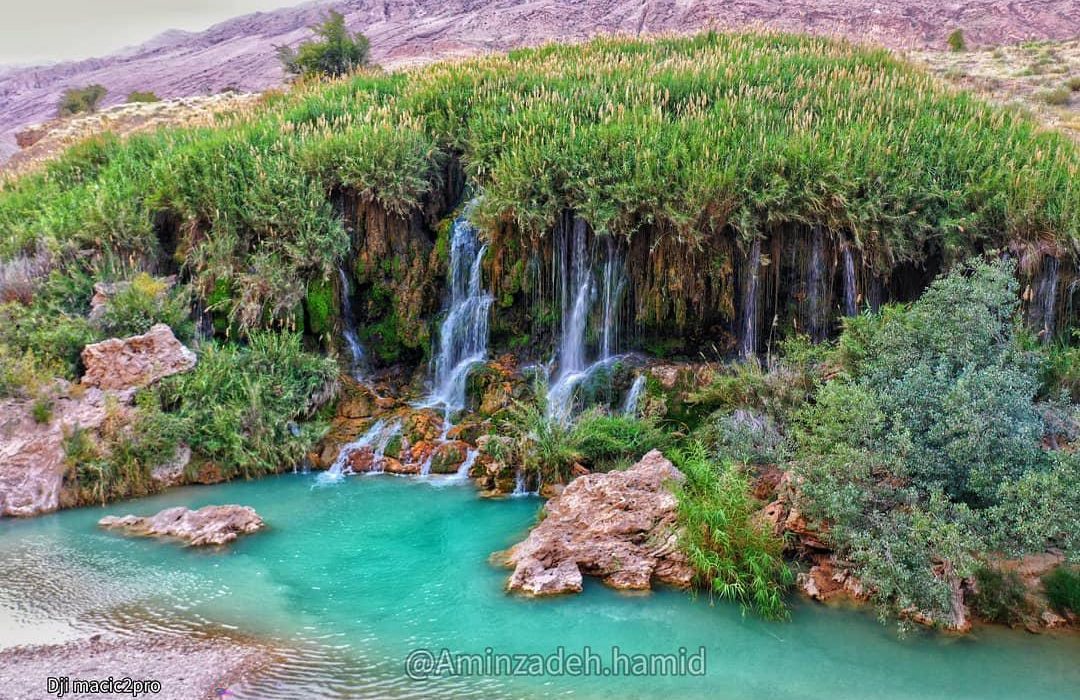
(80, 100)
(733, 553)
(1063, 589)
(55, 340)
(927, 448)
(138, 96)
(956, 41)
(1055, 97)
(1073, 83)
(242, 405)
(336, 52)
(144, 303)
(743, 436)
(42, 410)
(549, 447)
(1001, 596)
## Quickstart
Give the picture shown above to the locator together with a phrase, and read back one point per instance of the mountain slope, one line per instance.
(239, 53)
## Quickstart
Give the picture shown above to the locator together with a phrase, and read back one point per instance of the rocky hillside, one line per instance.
(239, 53)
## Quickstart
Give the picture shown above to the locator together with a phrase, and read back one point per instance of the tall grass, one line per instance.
(693, 136)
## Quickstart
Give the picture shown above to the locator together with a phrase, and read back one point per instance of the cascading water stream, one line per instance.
(815, 287)
(851, 291)
(463, 336)
(633, 397)
(577, 277)
(748, 340)
(377, 437)
(1046, 298)
(357, 358)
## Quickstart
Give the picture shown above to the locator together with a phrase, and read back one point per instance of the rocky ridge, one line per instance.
(238, 54)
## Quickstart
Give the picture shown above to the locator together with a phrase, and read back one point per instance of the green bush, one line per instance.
(243, 406)
(1055, 97)
(731, 549)
(54, 340)
(336, 52)
(145, 302)
(80, 100)
(956, 41)
(550, 448)
(138, 96)
(1073, 83)
(1001, 596)
(42, 410)
(1063, 589)
(927, 448)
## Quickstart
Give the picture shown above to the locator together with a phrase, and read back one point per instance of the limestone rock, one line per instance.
(32, 454)
(136, 361)
(210, 525)
(620, 526)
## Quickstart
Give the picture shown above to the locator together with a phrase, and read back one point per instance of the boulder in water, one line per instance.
(136, 361)
(209, 525)
(620, 526)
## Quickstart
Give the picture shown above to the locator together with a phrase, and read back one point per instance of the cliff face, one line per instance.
(239, 53)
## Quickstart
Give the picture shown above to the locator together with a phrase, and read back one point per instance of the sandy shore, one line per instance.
(187, 668)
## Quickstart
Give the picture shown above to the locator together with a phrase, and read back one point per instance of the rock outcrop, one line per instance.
(210, 525)
(620, 526)
(32, 455)
(136, 361)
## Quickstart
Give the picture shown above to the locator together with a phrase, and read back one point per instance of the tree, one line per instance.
(334, 53)
(79, 100)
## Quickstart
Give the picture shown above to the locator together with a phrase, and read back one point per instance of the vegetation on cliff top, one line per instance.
(693, 136)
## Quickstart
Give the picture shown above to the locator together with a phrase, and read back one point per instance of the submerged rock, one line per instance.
(136, 361)
(210, 525)
(620, 526)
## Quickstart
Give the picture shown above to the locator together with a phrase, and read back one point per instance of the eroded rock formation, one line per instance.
(136, 361)
(32, 455)
(619, 526)
(209, 525)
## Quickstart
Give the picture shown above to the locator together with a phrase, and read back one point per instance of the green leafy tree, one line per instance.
(81, 100)
(927, 449)
(335, 52)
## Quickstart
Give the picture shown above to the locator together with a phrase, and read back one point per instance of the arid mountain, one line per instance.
(239, 53)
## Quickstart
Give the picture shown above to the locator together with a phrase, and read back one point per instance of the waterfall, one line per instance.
(613, 284)
(577, 295)
(470, 459)
(633, 396)
(851, 291)
(348, 323)
(377, 437)
(521, 487)
(463, 336)
(1046, 298)
(748, 341)
(815, 291)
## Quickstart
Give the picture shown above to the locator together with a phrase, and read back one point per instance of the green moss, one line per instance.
(442, 241)
(319, 304)
(384, 339)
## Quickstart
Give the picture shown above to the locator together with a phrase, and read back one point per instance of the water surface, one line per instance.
(350, 577)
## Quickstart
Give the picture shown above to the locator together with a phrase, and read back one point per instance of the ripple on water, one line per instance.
(346, 580)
